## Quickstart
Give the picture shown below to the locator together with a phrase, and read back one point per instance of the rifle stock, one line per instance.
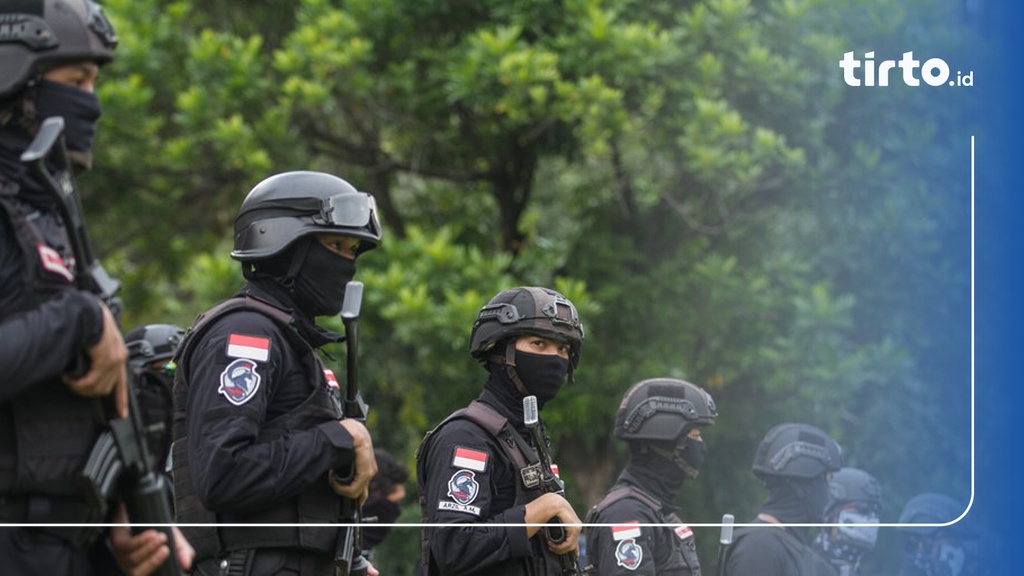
(118, 462)
(554, 531)
(351, 561)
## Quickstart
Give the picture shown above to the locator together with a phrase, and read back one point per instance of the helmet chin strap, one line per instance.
(675, 458)
(509, 362)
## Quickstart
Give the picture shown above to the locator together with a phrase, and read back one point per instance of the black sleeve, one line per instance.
(41, 344)
(238, 470)
(759, 553)
(468, 485)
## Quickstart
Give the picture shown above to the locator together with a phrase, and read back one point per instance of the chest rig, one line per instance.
(683, 559)
(525, 461)
(317, 505)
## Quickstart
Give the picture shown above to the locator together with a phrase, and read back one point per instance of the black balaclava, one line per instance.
(80, 110)
(542, 374)
(653, 473)
(501, 393)
(320, 282)
(796, 501)
(687, 453)
(378, 510)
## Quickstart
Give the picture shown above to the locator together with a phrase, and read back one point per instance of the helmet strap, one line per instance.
(675, 458)
(509, 361)
(298, 259)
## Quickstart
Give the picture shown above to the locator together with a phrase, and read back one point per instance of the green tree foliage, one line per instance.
(694, 175)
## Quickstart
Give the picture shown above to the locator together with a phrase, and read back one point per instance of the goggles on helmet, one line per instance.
(349, 210)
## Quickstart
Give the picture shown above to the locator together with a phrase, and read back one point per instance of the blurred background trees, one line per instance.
(694, 175)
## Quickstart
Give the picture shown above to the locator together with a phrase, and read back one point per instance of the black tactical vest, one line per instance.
(683, 560)
(321, 506)
(53, 428)
(524, 458)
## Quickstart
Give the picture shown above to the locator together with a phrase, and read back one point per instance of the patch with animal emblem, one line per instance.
(239, 381)
(629, 554)
(463, 490)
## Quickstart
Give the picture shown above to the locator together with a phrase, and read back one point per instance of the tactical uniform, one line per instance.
(46, 322)
(470, 467)
(793, 461)
(655, 417)
(256, 412)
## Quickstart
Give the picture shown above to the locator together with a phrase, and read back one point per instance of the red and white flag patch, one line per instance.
(251, 347)
(626, 531)
(554, 470)
(471, 459)
(684, 532)
(332, 380)
(52, 261)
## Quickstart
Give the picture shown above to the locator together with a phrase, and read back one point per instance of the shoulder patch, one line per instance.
(683, 532)
(629, 554)
(251, 347)
(239, 381)
(626, 531)
(463, 490)
(472, 459)
(332, 380)
(52, 262)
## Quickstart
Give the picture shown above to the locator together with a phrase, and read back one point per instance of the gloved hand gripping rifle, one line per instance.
(350, 559)
(119, 464)
(549, 482)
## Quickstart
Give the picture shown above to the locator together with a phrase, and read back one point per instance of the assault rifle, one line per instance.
(351, 561)
(119, 462)
(549, 482)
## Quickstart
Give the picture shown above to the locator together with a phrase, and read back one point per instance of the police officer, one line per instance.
(662, 420)
(151, 349)
(937, 550)
(50, 55)
(855, 501)
(795, 462)
(258, 428)
(469, 468)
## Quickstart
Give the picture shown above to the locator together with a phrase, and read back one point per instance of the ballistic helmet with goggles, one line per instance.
(36, 35)
(663, 409)
(288, 206)
(527, 310)
(152, 343)
(796, 451)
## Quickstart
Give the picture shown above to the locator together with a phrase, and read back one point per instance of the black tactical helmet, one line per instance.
(36, 35)
(153, 342)
(797, 451)
(527, 310)
(287, 206)
(931, 508)
(853, 485)
(663, 409)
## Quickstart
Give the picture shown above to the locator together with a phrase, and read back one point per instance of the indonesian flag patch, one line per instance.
(626, 531)
(251, 347)
(332, 380)
(683, 532)
(471, 459)
(52, 262)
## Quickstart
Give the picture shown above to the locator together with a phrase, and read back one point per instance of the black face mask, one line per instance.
(320, 284)
(80, 110)
(692, 452)
(542, 374)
